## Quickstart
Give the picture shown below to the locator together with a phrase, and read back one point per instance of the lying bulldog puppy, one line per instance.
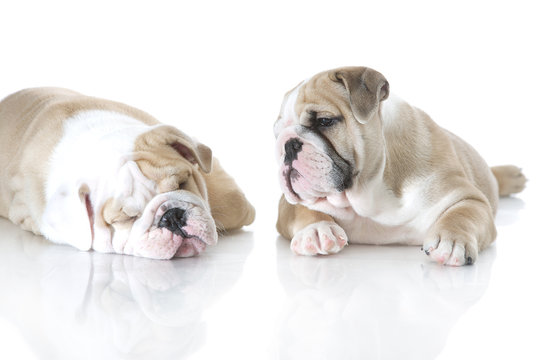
(359, 163)
(101, 175)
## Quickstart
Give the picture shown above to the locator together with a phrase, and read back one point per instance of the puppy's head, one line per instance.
(156, 204)
(328, 134)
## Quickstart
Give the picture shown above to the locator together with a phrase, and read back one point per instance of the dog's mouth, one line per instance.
(174, 224)
(290, 174)
(181, 220)
(299, 187)
(179, 227)
(315, 196)
(177, 230)
(162, 243)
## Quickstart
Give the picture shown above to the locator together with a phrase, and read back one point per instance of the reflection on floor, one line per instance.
(381, 299)
(109, 306)
(249, 297)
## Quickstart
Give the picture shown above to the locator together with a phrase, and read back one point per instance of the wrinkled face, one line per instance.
(325, 128)
(159, 207)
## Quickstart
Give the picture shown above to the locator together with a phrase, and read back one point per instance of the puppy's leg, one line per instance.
(463, 230)
(311, 232)
(230, 208)
(510, 179)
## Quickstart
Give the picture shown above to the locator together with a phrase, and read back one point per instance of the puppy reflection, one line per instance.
(104, 306)
(358, 306)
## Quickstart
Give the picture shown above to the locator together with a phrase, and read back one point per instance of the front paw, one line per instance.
(323, 237)
(448, 248)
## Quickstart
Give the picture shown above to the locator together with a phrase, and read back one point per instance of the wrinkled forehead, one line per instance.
(318, 94)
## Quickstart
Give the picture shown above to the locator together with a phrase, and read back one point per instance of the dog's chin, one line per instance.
(191, 240)
(300, 188)
(297, 190)
(164, 244)
(149, 239)
(182, 245)
(287, 175)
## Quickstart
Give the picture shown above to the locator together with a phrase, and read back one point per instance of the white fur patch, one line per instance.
(288, 115)
(95, 147)
(390, 109)
(382, 218)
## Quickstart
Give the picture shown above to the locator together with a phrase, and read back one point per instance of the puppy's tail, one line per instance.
(510, 179)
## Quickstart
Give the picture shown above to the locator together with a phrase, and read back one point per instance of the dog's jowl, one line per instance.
(358, 164)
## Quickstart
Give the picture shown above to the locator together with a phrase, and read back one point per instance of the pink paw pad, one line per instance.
(310, 248)
(328, 244)
(323, 237)
(341, 241)
(454, 262)
(442, 258)
(449, 252)
(296, 247)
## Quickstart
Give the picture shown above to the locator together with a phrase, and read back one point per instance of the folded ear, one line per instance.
(366, 89)
(194, 152)
(172, 141)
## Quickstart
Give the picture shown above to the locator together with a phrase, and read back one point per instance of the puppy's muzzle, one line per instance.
(174, 220)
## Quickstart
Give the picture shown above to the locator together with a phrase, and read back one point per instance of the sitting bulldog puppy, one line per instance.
(359, 163)
(97, 174)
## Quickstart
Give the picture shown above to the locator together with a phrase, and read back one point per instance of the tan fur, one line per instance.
(292, 218)
(31, 123)
(510, 179)
(229, 206)
(160, 162)
(410, 147)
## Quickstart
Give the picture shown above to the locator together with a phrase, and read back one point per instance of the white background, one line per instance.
(218, 71)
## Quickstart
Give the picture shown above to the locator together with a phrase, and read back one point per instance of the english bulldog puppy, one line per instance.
(359, 164)
(98, 174)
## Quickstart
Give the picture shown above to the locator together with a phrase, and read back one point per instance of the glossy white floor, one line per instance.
(249, 297)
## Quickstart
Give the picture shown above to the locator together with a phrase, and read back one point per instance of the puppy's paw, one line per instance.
(447, 248)
(323, 237)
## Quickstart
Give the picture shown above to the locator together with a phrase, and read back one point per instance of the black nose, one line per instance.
(292, 148)
(173, 220)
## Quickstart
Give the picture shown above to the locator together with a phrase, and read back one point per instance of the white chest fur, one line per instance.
(379, 216)
(375, 215)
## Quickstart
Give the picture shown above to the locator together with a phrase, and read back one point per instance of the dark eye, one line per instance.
(326, 122)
